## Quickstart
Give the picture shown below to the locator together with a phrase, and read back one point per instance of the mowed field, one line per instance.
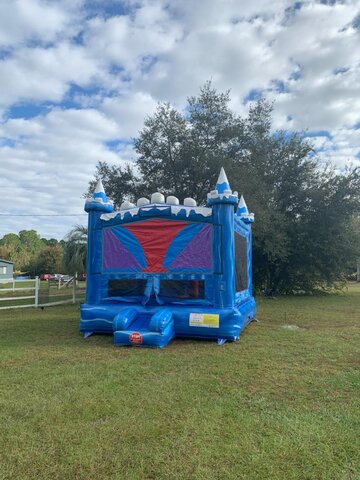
(281, 403)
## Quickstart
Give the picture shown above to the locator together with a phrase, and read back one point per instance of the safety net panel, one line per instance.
(241, 263)
(158, 246)
(126, 287)
(182, 289)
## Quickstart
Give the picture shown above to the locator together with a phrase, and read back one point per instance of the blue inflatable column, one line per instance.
(222, 201)
(96, 205)
(243, 214)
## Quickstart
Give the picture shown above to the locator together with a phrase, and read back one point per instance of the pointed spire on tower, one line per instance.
(243, 212)
(222, 192)
(98, 200)
(99, 191)
(223, 183)
(242, 207)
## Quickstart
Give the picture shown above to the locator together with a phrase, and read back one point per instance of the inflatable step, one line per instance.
(142, 330)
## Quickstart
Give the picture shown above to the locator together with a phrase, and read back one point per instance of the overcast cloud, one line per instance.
(78, 77)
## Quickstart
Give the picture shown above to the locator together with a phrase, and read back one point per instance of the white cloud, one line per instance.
(47, 172)
(44, 74)
(129, 111)
(126, 41)
(22, 20)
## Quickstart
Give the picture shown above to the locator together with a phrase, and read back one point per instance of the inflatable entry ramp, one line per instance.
(143, 330)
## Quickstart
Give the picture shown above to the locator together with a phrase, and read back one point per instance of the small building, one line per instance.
(6, 270)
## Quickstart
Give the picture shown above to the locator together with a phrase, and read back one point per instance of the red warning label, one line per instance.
(136, 338)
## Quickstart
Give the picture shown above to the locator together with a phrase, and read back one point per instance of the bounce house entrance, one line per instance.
(153, 290)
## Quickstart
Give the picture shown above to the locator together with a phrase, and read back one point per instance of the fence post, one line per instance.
(37, 281)
(74, 288)
(13, 284)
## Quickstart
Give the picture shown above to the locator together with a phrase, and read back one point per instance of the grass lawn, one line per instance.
(281, 403)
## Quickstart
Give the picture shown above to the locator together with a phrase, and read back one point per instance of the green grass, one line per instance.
(278, 404)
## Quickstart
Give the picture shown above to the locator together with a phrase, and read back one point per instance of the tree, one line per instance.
(50, 242)
(22, 249)
(127, 189)
(49, 260)
(75, 250)
(302, 234)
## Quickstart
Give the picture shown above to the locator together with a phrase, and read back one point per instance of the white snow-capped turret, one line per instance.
(243, 212)
(157, 197)
(189, 202)
(223, 183)
(142, 202)
(222, 192)
(242, 207)
(99, 187)
(171, 200)
(98, 200)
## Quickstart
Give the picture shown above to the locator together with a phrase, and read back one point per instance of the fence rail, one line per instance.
(41, 294)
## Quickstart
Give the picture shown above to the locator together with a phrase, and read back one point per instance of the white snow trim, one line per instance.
(110, 216)
(155, 205)
(247, 215)
(215, 194)
(99, 200)
(204, 211)
(175, 209)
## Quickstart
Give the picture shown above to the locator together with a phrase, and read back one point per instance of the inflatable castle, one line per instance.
(162, 269)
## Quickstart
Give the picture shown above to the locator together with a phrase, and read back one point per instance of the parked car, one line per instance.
(59, 277)
(45, 277)
(55, 276)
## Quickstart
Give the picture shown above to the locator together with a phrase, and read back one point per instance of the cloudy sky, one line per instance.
(77, 78)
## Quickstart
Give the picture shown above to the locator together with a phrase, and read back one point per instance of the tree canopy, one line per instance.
(31, 253)
(303, 234)
(75, 250)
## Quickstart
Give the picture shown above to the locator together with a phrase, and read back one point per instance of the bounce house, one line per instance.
(161, 269)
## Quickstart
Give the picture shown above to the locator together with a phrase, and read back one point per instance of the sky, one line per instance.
(78, 77)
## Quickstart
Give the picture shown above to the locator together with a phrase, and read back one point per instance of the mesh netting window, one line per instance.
(182, 288)
(241, 263)
(125, 287)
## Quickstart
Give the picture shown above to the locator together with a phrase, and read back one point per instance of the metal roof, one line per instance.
(6, 261)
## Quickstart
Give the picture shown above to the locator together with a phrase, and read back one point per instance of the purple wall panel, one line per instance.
(116, 255)
(197, 253)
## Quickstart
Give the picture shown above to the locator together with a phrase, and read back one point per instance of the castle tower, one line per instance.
(243, 212)
(95, 206)
(222, 200)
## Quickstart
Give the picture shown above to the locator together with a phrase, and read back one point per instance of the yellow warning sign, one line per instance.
(210, 320)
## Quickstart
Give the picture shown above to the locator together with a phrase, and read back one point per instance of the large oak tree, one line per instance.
(303, 236)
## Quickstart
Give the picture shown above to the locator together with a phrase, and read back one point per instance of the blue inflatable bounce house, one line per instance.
(160, 269)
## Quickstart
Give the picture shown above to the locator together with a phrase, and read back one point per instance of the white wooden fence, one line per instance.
(39, 294)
